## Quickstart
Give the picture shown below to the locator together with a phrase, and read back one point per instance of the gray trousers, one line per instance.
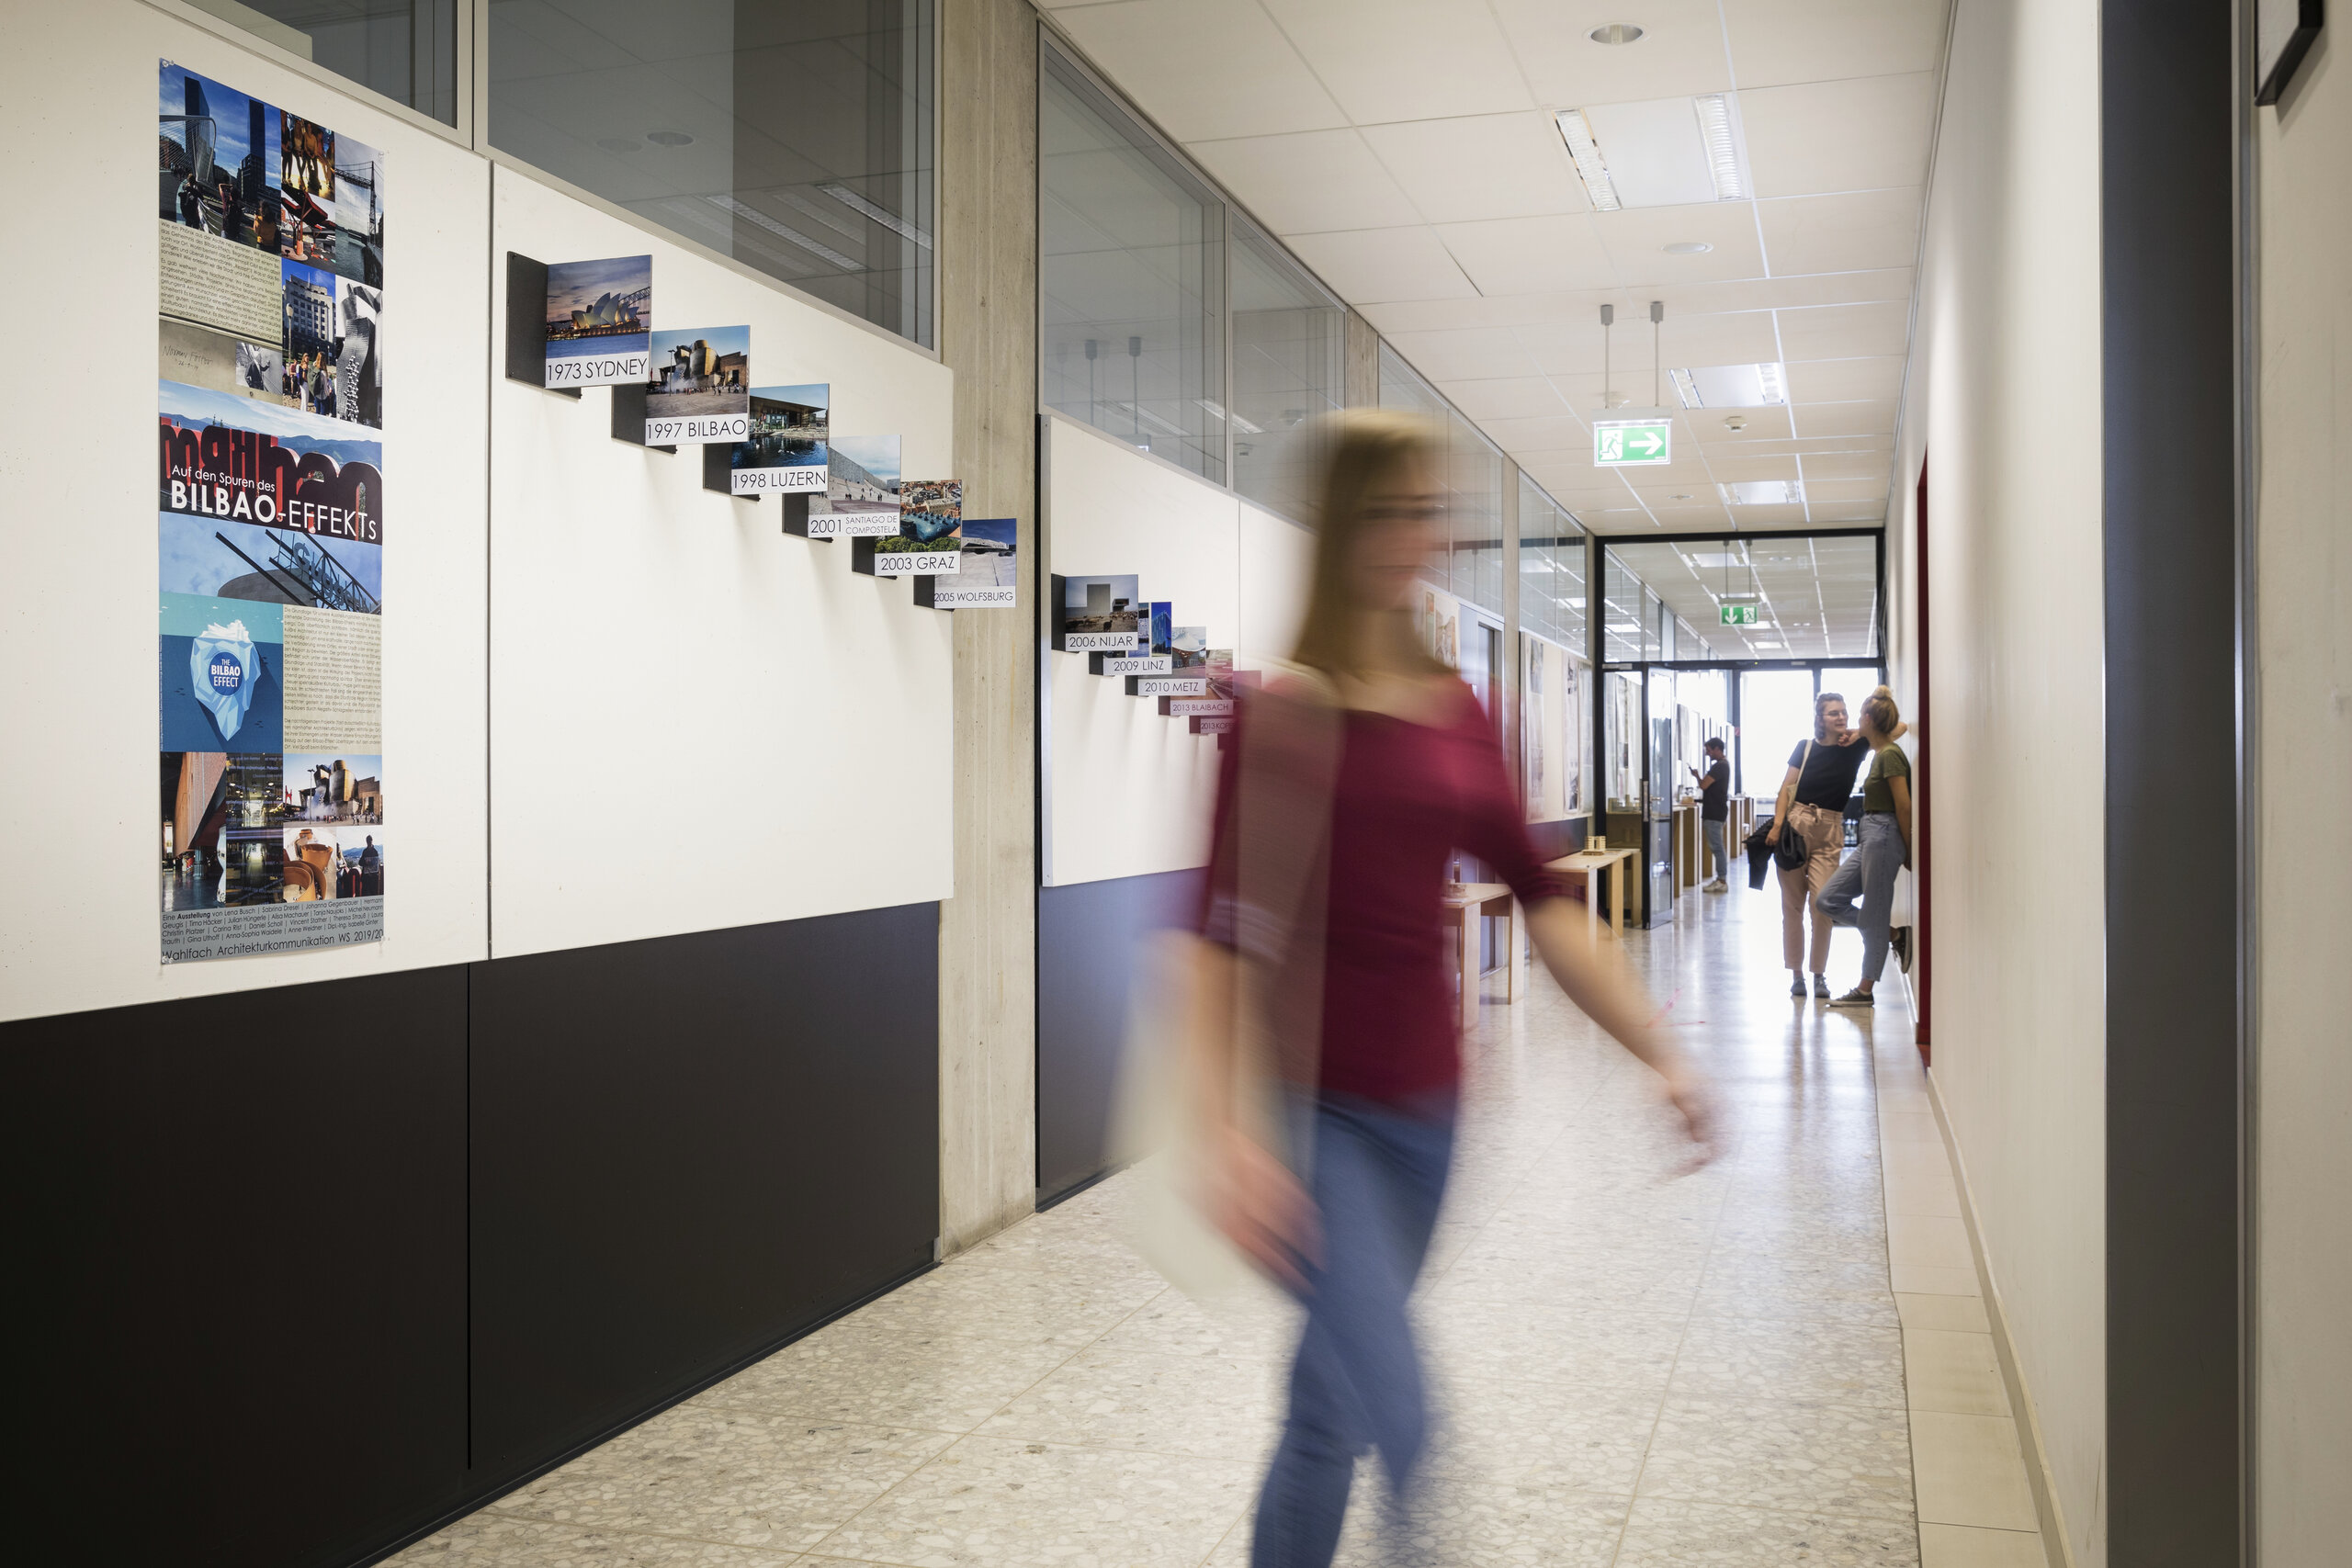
(1868, 875)
(1715, 855)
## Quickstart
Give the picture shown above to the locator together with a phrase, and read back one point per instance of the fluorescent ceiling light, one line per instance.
(1716, 130)
(1731, 386)
(1763, 493)
(1577, 133)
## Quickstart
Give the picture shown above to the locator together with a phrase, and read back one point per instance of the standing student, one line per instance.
(1885, 847)
(1813, 806)
(1714, 810)
(1322, 1019)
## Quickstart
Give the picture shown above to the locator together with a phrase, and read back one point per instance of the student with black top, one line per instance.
(1714, 808)
(1885, 847)
(1812, 804)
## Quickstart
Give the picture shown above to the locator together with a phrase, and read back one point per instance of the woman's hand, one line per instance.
(1772, 832)
(1259, 1207)
(1694, 1098)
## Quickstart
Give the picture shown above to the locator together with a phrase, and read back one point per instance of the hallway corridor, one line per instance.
(1779, 1359)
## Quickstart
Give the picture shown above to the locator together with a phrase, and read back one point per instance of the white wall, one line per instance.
(2006, 352)
(702, 721)
(78, 794)
(2304, 1077)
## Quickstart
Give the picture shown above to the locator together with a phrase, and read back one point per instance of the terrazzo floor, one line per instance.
(1633, 1369)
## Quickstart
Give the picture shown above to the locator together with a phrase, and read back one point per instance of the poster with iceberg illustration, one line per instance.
(270, 521)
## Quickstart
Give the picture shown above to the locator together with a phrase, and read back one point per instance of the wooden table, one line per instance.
(1463, 909)
(1590, 863)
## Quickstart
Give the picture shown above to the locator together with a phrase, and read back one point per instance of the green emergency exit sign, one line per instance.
(1738, 615)
(1632, 443)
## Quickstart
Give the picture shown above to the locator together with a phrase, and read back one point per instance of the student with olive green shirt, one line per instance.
(1885, 847)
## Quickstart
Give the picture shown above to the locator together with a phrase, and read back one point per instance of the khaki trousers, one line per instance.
(1825, 837)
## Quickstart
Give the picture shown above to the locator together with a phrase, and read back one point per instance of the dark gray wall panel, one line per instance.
(1087, 935)
(2173, 1058)
(685, 1151)
(238, 1253)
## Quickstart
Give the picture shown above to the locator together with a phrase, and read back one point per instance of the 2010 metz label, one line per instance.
(697, 429)
(601, 369)
(1168, 685)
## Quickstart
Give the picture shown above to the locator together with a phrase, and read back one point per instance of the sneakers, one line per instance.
(1821, 986)
(1717, 885)
(1857, 998)
(1900, 940)
(1796, 983)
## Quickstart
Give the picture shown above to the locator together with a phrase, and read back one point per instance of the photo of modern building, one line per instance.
(703, 371)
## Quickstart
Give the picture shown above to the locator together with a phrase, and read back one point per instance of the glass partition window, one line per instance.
(1131, 279)
(405, 49)
(1550, 569)
(1288, 369)
(1472, 479)
(796, 138)
(1621, 608)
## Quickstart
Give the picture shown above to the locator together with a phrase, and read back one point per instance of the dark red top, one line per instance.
(1407, 796)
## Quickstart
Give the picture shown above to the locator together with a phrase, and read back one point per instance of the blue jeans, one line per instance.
(1715, 829)
(1356, 1385)
(1868, 873)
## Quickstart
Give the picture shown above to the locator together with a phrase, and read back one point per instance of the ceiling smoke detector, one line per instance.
(1735, 423)
(1689, 248)
(1615, 33)
(669, 138)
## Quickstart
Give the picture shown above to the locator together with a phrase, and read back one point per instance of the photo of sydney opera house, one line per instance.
(600, 307)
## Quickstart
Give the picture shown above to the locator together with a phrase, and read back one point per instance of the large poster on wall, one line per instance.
(270, 527)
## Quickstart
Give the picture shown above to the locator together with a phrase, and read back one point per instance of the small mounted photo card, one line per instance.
(1099, 614)
(861, 498)
(787, 452)
(1216, 698)
(600, 321)
(1155, 658)
(929, 541)
(700, 388)
(987, 572)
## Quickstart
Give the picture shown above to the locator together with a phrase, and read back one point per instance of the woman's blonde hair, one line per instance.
(1371, 450)
(1879, 712)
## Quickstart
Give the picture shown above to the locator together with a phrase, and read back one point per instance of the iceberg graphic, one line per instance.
(222, 670)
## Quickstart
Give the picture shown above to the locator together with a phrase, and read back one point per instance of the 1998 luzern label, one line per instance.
(695, 428)
(802, 480)
(597, 369)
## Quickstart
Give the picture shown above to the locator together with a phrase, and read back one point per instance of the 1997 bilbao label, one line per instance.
(701, 428)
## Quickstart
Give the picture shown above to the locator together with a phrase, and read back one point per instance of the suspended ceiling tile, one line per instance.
(1583, 392)
(1845, 380)
(1876, 466)
(1765, 430)
(1865, 133)
(1204, 68)
(1367, 266)
(1820, 491)
(1681, 49)
(1637, 238)
(1471, 355)
(1728, 467)
(1558, 433)
(1765, 517)
(1511, 396)
(1489, 165)
(1718, 337)
(1848, 513)
(1778, 41)
(1447, 315)
(1308, 181)
(1398, 59)
(1845, 419)
(1845, 232)
(1530, 256)
(1846, 331)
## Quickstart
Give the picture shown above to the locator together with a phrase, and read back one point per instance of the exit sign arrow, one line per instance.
(1738, 615)
(1632, 443)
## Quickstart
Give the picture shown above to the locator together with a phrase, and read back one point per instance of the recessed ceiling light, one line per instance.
(1735, 423)
(1763, 493)
(1718, 129)
(1689, 248)
(1730, 386)
(669, 138)
(1615, 32)
(1577, 133)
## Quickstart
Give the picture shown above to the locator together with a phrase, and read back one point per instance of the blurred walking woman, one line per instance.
(1813, 806)
(1869, 873)
(1323, 1032)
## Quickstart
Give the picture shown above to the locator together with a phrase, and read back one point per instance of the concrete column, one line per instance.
(987, 333)
(1362, 373)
